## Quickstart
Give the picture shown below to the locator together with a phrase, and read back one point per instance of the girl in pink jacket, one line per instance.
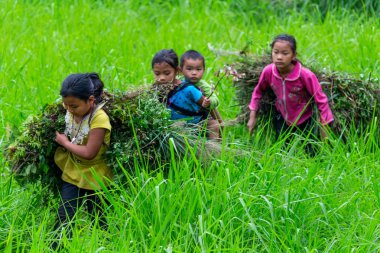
(294, 86)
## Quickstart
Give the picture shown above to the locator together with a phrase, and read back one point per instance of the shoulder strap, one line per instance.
(187, 112)
(183, 85)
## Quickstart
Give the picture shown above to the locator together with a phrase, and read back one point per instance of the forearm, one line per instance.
(252, 121)
(209, 93)
(315, 90)
(326, 115)
(82, 151)
(214, 101)
(253, 114)
(87, 151)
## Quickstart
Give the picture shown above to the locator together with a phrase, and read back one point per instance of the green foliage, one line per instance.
(354, 101)
(306, 7)
(141, 127)
(31, 155)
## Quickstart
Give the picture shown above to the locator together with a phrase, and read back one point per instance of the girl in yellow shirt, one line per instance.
(81, 155)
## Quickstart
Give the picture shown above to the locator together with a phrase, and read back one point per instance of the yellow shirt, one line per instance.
(79, 171)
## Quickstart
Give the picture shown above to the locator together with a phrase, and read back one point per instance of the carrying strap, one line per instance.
(183, 85)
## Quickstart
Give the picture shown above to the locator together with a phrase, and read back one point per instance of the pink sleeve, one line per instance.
(315, 90)
(257, 93)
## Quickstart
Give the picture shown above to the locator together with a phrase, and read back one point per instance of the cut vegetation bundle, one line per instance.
(353, 101)
(142, 132)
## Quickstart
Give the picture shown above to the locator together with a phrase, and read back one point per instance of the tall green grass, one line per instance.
(270, 199)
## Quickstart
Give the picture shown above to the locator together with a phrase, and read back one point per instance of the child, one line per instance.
(83, 145)
(192, 67)
(294, 87)
(165, 70)
(165, 67)
(184, 100)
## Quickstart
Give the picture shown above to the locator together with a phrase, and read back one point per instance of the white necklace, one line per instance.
(80, 124)
(79, 127)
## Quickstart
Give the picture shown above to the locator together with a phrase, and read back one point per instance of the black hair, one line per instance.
(286, 37)
(82, 86)
(192, 54)
(166, 55)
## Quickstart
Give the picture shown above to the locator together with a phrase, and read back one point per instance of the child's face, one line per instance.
(76, 106)
(164, 73)
(282, 56)
(193, 70)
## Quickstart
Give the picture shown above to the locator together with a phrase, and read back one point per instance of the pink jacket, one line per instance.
(293, 94)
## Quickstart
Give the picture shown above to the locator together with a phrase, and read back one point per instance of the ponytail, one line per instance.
(97, 86)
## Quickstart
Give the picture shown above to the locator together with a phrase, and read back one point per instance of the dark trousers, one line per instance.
(73, 198)
(305, 128)
(283, 128)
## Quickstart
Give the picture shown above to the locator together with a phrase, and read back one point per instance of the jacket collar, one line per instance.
(294, 75)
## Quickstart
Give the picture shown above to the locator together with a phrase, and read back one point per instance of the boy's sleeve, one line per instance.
(207, 91)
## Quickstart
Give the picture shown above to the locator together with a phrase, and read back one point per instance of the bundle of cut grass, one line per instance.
(354, 101)
(141, 132)
(30, 156)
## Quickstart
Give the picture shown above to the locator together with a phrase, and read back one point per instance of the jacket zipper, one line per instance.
(284, 99)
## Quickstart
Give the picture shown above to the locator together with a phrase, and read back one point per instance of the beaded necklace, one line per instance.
(80, 124)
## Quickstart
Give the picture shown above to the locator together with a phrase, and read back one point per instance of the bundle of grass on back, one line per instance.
(354, 101)
(141, 132)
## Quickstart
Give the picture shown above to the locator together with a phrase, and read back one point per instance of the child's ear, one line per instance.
(295, 57)
(91, 99)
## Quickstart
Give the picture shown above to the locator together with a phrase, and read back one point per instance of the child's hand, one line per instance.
(206, 102)
(61, 139)
(325, 132)
(251, 122)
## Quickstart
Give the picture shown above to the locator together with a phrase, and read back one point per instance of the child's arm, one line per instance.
(261, 86)
(206, 102)
(251, 122)
(88, 151)
(201, 101)
(257, 94)
(315, 90)
(209, 94)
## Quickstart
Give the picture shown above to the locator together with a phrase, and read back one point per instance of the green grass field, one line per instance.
(268, 200)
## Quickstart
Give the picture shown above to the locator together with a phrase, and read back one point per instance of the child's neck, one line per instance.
(285, 72)
(79, 119)
(188, 81)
